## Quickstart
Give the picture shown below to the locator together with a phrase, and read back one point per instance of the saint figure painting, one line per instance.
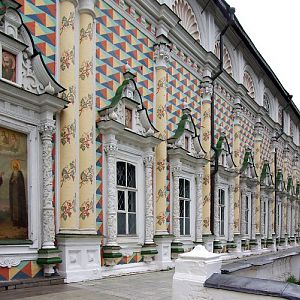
(13, 185)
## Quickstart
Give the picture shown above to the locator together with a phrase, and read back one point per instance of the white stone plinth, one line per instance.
(163, 247)
(192, 269)
(80, 257)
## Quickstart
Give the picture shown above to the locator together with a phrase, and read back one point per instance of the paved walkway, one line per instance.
(154, 286)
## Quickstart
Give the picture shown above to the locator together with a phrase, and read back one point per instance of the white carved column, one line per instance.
(199, 206)
(231, 212)
(216, 210)
(293, 218)
(254, 211)
(110, 149)
(149, 205)
(262, 224)
(243, 215)
(176, 171)
(270, 220)
(48, 223)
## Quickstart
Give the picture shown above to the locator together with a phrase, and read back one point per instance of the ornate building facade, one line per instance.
(131, 131)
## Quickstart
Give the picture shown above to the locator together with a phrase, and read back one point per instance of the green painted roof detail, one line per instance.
(298, 189)
(219, 144)
(118, 95)
(245, 163)
(290, 184)
(263, 175)
(279, 179)
(181, 126)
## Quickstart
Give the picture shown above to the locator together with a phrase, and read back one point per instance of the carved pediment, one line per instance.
(266, 177)
(248, 167)
(223, 153)
(186, 136)
(126, 108)
(23, 59)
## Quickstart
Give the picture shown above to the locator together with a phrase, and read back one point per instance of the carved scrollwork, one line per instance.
(10, 261)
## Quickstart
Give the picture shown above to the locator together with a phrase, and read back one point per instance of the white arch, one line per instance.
(188, 20)
(267, 96)
(250, 82)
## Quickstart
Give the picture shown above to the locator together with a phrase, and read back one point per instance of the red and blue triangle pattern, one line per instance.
(40, 18)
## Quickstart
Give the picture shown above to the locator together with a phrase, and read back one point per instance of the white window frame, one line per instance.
(248, 213)
(265, 217)
(126, 190)
(279, 220)
(15, 48)
(222, 207)
(33, 192)
(185, 199)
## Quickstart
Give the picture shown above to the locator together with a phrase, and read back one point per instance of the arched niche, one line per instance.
(227, 64)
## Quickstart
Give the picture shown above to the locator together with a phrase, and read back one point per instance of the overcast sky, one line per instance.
(274, 28)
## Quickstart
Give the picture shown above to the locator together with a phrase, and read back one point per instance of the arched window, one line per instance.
(188, 20)
(249, 84)
(226, 58)
(266, 103)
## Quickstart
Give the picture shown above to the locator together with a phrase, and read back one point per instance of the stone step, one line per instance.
(30, 282)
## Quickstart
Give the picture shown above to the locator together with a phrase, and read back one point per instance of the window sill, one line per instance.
(15, 242)
(128, 239)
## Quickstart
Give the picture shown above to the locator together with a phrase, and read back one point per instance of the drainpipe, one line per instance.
(215, 75)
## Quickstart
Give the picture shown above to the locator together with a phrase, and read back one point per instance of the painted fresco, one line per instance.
(9, 66)
(13, 176)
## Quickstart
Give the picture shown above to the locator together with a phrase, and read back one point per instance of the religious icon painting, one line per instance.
(9, 62)
(13, 185)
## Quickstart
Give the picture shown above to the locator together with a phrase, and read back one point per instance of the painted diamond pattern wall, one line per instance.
(223, 119)
(119, 42)
(26, 269)
(40, 18)
(247, 134)
(183, 89)
(266, 146)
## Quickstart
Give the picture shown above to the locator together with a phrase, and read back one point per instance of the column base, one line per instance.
(219, 247)
(238, 242)
(111, 254)
(49, 258)
(231, 246)
(208, 241)
(148, 252)
(163, 246)
(80, 257)
(176, 249)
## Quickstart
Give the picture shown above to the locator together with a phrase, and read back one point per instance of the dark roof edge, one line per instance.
(224, 8)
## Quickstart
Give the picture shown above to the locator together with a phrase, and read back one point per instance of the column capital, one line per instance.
(47, 128)
(176, 169)
(74, 2)
(111, 148)
(148, 159)
(258, 129)
(206, 89)
(87, 7)
(162, 55)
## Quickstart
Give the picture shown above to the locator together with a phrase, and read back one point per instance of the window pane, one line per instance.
(131, 175)
(131, 201)
(121, 200)
(187, 226)
(181, 226)
(121, 173)
(181, 208)
(187, 189)
(181, 187)
(121, 223)
(222, 231)
(187, 208)
(132, 223)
